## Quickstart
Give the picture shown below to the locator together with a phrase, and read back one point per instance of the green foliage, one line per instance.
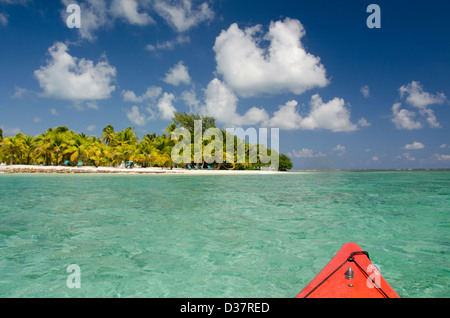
(285, 163)
(187, 121)
(60, 145)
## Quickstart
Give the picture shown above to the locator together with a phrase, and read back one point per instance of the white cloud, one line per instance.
(94, 16)
(9, 131)
(416, 97)
(340, 150)
(4, 16)
(286, 117)
(129, 10)
(442, 157)
(250, 69)
(54, 112)
(403, 118)
(3, 19)
(20, 93)
(37, 119)
(102, 14)
(136, 117)
(363, 123)
(165, 106)
(332, 116)
(151, 94)
(414, 146)
(91, 128)
(221, 103)
(181, 15)
(178, 75)
(406, 156)
(190, 99)
(69, 78)
(365, 91)
(375, 158)
(305, 153)
(168, 45)
(156, 108)
(443, 146)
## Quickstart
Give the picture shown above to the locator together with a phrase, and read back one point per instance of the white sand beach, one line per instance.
(111, 170)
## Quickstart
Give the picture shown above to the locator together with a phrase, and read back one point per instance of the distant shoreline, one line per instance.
(23, 169)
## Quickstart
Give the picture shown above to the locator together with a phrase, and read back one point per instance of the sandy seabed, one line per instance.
(111, 170)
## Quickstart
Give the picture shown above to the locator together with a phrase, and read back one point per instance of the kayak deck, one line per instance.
(349, 274)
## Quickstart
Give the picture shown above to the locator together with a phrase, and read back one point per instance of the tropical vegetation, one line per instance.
(62, 146)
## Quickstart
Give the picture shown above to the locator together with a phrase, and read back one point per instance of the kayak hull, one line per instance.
(349, 274)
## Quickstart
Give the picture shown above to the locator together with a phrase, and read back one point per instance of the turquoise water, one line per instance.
(219, 236)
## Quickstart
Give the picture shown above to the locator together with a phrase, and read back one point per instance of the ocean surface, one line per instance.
(219, 236)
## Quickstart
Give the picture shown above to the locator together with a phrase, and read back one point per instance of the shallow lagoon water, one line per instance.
(219, 236)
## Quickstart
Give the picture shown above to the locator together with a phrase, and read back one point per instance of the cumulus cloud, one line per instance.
(8, 131)
(165, 106)
(286, 117)
(440, 157)
(94, 15)
(418, 98)
(3, 19)
(340, 150)
(177, 75)
(365, 91)
(4, 16)
(305, 153)
(332, 115)
(414, 146)
(20, 93)
(362, 122)
(136, 117)
(190, 99)
(181, 15)
(168, 45)
(91, 128)
(251, 69)
(415, 96)
(221, 102)
(403, 118)
(69, 78)
(156, 106)
(129, 10)
(406, 156)
(151, 94)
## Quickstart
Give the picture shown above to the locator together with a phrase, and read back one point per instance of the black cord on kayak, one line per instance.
(325, 280)
(368, 276)
(350, 259)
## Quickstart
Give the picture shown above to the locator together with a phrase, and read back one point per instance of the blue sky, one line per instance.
(343, 95)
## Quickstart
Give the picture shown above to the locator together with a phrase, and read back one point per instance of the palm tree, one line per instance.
(77, 148)
(98, 153)
(12, 147)
(124, 145)
(108, 134)
(164, 145)
(58, 145)
(29, 146)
